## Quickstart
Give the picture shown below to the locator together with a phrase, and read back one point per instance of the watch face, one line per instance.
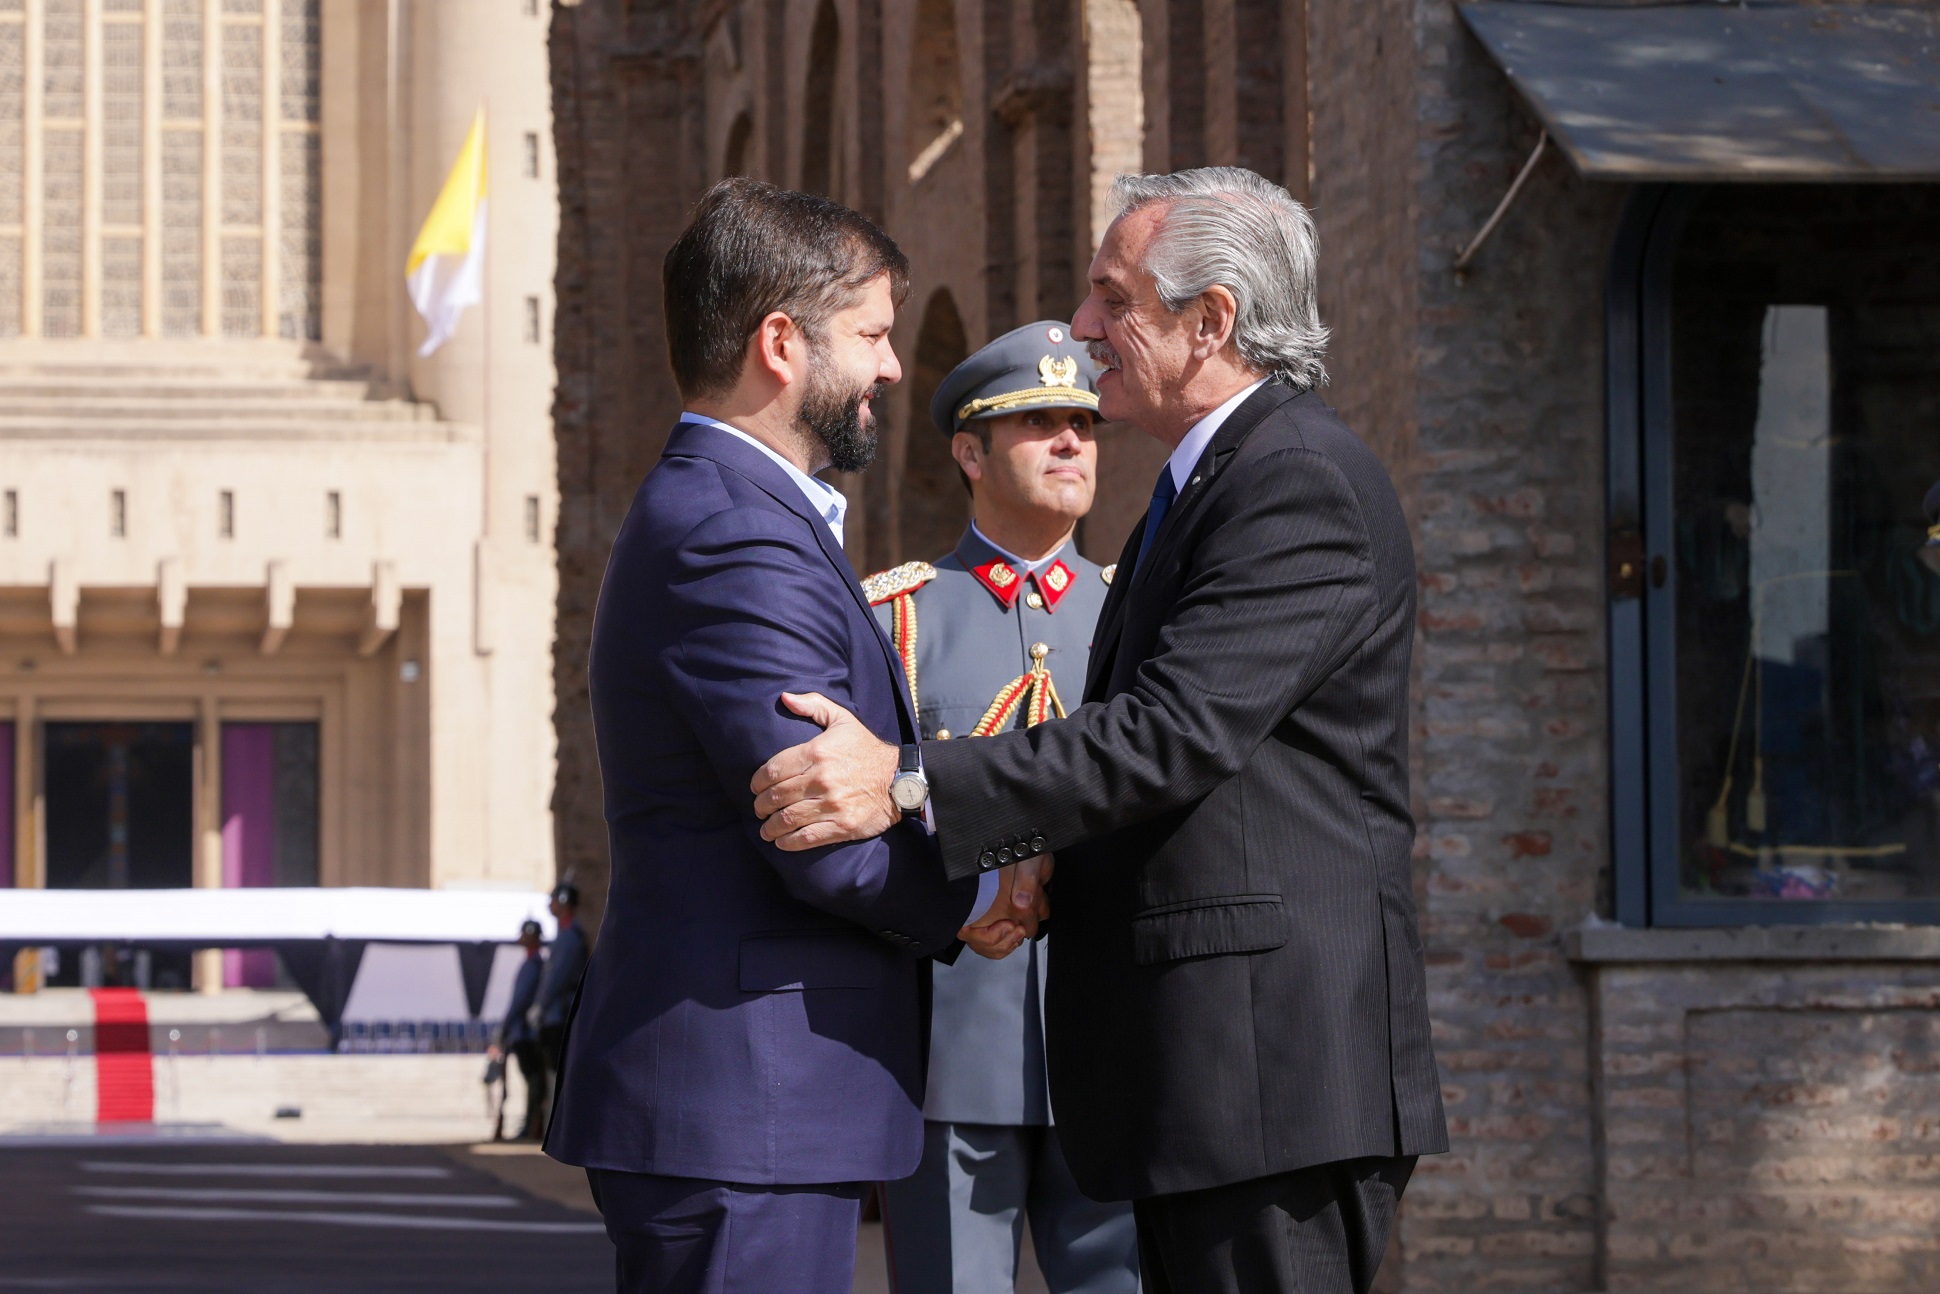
(908, 792)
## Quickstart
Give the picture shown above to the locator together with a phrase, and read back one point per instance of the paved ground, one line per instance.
(102, 1215)
(108, 1218)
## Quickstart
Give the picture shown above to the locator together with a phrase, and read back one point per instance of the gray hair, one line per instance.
(1226, 225)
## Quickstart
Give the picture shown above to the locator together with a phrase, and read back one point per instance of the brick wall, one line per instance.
(627, 127)
(1771, 1126)
(1510, 746)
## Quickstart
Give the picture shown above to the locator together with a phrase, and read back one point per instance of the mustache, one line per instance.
(1102, 355)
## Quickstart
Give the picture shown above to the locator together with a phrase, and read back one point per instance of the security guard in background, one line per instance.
(565, 967)
(994, 636)
(518, 1038)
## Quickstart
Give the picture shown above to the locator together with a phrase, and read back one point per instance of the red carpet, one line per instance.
(123, 1072)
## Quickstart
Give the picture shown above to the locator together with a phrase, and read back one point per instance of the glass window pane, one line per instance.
(1806, 406)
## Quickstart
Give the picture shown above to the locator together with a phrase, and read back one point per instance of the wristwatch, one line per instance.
(909, 788)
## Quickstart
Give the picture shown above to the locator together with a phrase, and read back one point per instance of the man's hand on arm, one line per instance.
(835, 788)
(830, 789)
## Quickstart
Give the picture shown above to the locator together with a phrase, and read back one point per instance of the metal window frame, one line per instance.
(1642, 619)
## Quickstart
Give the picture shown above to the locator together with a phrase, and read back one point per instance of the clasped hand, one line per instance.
(834, 788)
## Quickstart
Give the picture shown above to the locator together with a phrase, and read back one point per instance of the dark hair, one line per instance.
(753, 249)
(566, 894)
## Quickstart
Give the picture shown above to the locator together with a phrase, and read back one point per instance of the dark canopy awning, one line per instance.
(1708, 92)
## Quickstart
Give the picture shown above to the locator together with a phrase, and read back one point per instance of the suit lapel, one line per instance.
(697, 440)
(1111, 617)
(1225, 442)
(1231, 434)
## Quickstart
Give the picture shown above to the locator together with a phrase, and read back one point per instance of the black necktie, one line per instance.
(1162, 495)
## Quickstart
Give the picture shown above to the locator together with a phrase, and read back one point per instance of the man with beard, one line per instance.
(1236, 1015)
(748, 1046)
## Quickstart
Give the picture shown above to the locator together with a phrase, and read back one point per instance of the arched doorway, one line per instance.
(932, 505)
(818, 103)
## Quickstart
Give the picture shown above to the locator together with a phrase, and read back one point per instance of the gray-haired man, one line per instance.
(1237, 1017)
(988, 635)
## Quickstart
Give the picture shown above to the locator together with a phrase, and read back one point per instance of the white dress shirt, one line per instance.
(1186, 456)
(833, 507)
(1013, 558)
(830, 504)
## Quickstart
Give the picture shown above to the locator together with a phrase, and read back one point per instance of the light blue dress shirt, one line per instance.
(829, 503)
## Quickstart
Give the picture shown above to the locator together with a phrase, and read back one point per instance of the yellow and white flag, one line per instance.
(446, 271)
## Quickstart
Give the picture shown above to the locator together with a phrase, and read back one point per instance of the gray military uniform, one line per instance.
(990, 1155)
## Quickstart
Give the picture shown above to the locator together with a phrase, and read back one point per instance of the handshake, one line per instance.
(835, 787)
(1021, 903)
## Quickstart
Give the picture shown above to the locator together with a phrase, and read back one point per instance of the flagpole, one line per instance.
(485, 320)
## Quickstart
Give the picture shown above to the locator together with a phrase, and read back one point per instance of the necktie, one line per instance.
(1162, 495)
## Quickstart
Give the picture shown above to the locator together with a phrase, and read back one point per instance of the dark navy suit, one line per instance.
(753, 1022)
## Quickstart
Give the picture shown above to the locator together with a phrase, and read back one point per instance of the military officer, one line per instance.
(988, 636)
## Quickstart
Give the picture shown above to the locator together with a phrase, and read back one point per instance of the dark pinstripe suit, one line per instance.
(1237, 990)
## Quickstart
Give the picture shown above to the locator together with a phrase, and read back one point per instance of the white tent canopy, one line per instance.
(229, 918)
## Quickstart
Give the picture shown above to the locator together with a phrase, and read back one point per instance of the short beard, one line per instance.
(835, 417)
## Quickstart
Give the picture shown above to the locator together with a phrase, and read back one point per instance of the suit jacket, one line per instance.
(973, 639)
(749, 1015)
(1238, 989)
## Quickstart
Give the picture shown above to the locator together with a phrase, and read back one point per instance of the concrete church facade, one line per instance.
(1664, 1068)
(277, 592)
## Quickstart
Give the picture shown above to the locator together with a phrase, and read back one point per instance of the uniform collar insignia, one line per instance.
(1000, 577)
(1054, 581)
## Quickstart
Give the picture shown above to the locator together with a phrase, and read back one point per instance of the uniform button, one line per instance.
(986, 859)
(1039, 844)
(1039, 651)
(1005, 856)
(942, 734)
(1034, 600)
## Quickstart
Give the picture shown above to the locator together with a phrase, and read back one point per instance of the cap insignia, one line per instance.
(896, 581)
(1108, 572)
(1058, 370)
(1057, 336)
(1001, 579)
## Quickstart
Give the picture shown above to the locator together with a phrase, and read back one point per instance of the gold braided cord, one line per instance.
(1002, 708)
(1062, 396)
(1049, 690)
(1043, 702)
(903, 616)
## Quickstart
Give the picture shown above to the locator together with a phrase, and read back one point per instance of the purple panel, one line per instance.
(248, 834)
(6, 806)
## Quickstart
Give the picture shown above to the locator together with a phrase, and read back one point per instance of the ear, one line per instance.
(1218, 313)
(968, 452)
(776, 347)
